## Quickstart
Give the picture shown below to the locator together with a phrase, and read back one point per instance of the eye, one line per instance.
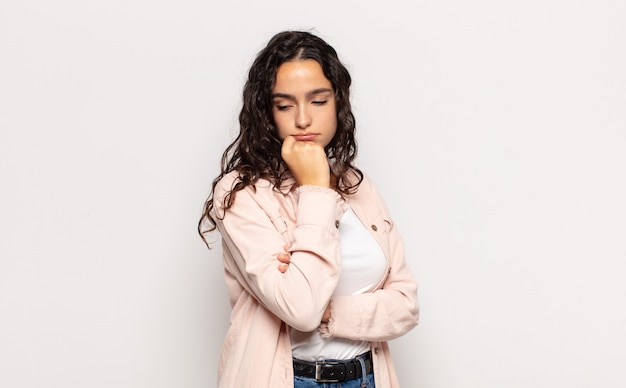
(282, 107)
(320, 102)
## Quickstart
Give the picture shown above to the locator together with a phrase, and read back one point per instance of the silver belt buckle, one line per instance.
(318, 372)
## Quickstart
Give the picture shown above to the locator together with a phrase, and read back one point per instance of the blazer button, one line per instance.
(337, 224)
(374, 228)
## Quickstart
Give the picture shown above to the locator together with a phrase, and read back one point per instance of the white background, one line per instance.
(495, 130)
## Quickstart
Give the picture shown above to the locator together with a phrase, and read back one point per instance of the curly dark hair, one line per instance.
(256, 152)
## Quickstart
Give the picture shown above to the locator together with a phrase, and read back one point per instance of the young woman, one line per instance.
(314, 266)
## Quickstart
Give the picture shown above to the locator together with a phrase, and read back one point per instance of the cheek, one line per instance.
(280, 128)
(332, 123)
(333, 117)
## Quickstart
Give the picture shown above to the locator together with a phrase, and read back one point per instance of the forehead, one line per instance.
(300, 74)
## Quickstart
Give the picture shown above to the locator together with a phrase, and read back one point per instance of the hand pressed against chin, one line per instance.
(307, 162)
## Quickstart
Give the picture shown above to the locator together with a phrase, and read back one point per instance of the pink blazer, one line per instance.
(256, 351)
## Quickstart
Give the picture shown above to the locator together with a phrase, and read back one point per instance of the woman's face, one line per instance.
(303, 102)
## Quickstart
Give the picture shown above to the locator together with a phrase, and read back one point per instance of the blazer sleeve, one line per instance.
(299, 296)
(387, 312)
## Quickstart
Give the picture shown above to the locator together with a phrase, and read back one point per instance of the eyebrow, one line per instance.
(308, 94)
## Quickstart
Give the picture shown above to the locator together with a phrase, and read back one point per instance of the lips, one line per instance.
(305, 136)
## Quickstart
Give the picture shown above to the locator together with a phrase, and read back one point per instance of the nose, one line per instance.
(303, 117)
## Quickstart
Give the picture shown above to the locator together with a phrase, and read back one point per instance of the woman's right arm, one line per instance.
(300, 295)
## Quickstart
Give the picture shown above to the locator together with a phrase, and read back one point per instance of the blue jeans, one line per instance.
(366, 381)
(304, 382)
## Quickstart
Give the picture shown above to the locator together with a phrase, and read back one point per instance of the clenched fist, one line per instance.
(307, 162)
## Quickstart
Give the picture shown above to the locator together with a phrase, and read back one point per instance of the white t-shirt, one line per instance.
(363, 264)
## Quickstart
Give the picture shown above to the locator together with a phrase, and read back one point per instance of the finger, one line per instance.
(282, 268)
(283, 258)
(287, 145)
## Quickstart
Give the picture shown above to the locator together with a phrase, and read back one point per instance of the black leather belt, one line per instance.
(333, 371)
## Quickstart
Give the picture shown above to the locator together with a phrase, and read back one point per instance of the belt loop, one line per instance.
(364, 381)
